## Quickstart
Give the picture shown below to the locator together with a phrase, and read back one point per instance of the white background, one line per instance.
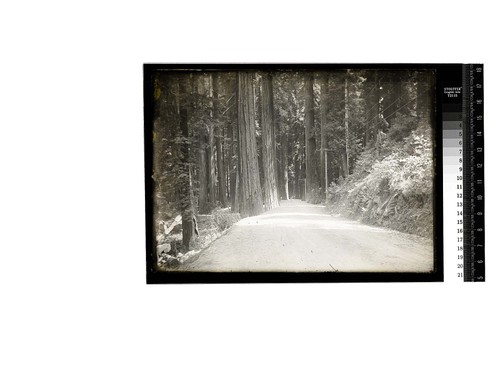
(73, 297)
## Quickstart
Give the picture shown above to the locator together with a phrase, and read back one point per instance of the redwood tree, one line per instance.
(250, 193)
(219, 140)
(212, 178)
(268, 144)
(184, 178)
(310, 140)
(323, 118)
(346, 125)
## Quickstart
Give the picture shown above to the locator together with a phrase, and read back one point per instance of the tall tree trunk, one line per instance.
(233, 151)
(378, 107)
(343, 165)
(297, 177)
(279, 164)
(310, 142)
(203, 178)
(371, 108)
(346, 122)
(399, 96)
(250, 190)
(420, 98)
(233, 164)
(302, 168)
(323, 117)
(212, 178)
(268, 144)
(237, 191)
(203, 197)
(283, 170)
(184, 178)
(219, 139)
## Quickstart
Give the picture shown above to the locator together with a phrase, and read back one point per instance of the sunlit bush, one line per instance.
(390, 186)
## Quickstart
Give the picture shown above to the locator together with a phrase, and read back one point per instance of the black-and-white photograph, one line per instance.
(293, 170)
(266, 187)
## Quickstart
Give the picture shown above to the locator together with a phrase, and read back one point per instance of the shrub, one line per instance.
(393, 188)
(224, 218)
(316, 195)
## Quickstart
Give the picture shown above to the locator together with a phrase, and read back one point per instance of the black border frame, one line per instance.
(445, 73)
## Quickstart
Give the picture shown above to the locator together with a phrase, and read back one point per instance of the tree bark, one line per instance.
(233, 151)
(302, 170)
(233, 167)
(250, 199)
(310, 142)
(284, 165)
(371, 108)
(268, 144)
(297, 177)
(323, 117)
(198, 87)
(212, 178)
(346, 123)
(184, 178)
(343, 165)
(378, 107)
(219, 139)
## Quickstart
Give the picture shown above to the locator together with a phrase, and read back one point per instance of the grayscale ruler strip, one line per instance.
(473, 174)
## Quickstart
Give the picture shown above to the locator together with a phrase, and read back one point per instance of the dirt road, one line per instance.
(298, 236)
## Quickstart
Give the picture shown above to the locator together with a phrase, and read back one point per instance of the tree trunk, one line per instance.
(297, 176)
(284, 165)
(250, 198)
(346, 122)
(310, 141)
(219, 139)
(203, 197)
(212, 178)
(233, 166)
(420, 90)
(233, 152)
(371, 109)
(184, 178)
(237, 189)
(399, 95)
(302, 169)
(378, 107)
(268, 144)
(203, 178)
(323, 117)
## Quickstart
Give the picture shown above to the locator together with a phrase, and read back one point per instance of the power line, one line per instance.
(399, 108)
(403, 106)
(375, 84)
(398, 98)
(378, 114)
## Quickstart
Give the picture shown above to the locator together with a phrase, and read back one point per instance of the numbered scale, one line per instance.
(474, 267)
(463, 175)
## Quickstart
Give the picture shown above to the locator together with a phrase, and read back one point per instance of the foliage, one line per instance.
(170, 250)
(402, 126)
(224, 218)
(393, 189)
(316, 195)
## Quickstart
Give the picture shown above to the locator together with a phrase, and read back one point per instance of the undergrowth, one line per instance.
(391, 185)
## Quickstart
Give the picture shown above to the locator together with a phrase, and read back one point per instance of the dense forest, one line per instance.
(232, 144)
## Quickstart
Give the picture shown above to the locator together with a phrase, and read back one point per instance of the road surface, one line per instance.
(298, 236)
